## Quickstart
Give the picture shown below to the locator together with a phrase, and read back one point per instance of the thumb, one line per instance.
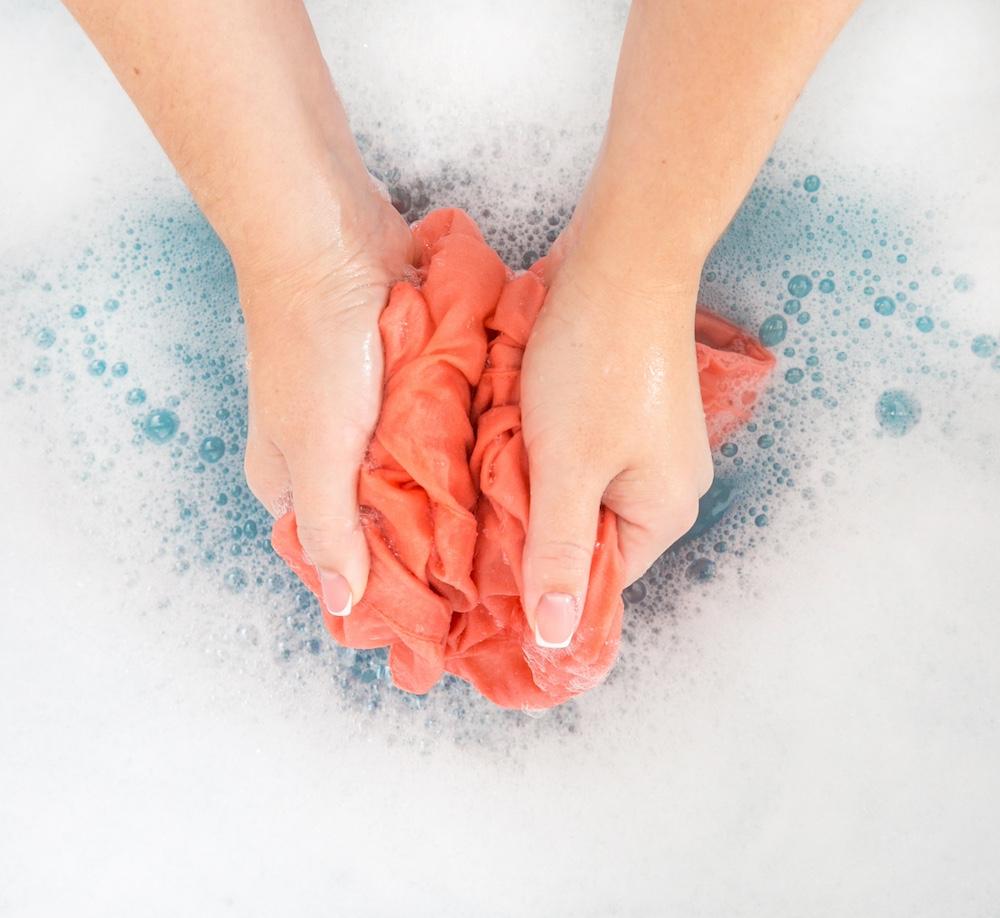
(558, 550)
(324, 480)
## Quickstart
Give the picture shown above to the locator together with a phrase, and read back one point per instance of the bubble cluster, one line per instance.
(149, 338)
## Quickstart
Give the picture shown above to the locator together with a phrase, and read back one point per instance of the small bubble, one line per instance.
(925, 323)
(111, 305)
(811, 183)
(963, 283)
(45, 338)
(119, 369)
(897, 412)
(984, 345)
(884, 306)
(826, 285)
(236, 580)
(773, 330)
(729, 450)
(78, 311)
(135, 396)
(799, 286)
(212, 449)
(701, 569)
(97, 367)
(794, 375)
(160, 425)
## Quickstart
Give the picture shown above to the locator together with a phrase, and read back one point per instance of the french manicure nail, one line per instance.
(336, 593)
(556, 618)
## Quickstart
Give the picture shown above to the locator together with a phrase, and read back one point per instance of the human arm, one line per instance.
(240, 98)
(610, 397)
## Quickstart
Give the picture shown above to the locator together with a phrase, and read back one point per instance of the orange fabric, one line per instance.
(444, 489)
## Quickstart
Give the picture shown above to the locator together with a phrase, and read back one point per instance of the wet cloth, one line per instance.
(444, 488)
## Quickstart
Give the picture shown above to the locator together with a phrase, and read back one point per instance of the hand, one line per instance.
(612, 414)
(315, 380)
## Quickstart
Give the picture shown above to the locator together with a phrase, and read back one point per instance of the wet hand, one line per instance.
(612, 414)
(315, 381)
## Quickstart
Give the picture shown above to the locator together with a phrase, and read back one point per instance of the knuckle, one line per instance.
(570, 558)
(327, 537)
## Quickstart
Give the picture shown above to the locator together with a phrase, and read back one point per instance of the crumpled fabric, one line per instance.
(444, 488)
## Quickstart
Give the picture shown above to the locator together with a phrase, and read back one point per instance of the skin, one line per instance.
(239, 96)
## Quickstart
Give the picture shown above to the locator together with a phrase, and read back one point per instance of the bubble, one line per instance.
(773, 330)
(792, 307)
(897, 412)
(212, 449)
(984, 345)
(135, 396)
(42, 367)
(765, 441)
(794, 375)
(729, 450)
(160, 425)
(119, 369)
(111, 305)
(97, 367)
(925, 323)
(635, 593)
(802, 318)
(78, 311)
(701, 569)
(963, 283)
(826, 285)
(799, 286)
(884, 306)
(865, 322)
(760, 520)
(235, 580)
(811, 183)
(45, 338)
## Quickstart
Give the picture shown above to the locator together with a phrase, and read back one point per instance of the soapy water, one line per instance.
(865, 325)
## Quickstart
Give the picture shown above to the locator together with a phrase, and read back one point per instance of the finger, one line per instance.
(654, 510)
(641, 545)
(267, 474)
(559, 548)
(324, 479)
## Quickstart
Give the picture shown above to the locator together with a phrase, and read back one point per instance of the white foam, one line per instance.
(811, 732)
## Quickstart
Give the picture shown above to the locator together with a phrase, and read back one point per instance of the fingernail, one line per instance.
(336, 593)
(556, 618)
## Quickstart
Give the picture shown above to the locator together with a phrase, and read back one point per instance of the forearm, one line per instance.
(702, 90)
(239, 96)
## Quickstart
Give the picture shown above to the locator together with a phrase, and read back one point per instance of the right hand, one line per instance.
(315, 380)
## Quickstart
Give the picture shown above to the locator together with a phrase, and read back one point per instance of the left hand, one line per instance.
(612, 414)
